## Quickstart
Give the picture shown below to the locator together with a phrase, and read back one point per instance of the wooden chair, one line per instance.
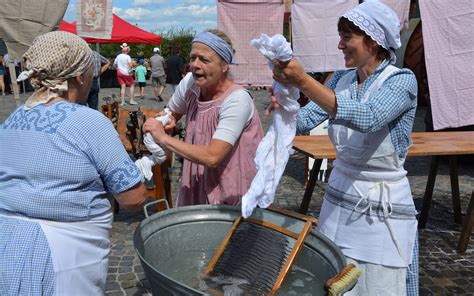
(131, 135)
(111, 110)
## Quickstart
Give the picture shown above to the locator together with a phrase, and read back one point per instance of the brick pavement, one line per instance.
(442, 270)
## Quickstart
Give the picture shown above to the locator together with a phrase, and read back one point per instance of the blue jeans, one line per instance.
(93, 98)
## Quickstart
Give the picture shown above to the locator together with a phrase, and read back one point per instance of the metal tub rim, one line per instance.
(223, 213)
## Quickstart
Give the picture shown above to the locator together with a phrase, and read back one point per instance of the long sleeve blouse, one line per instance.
(395, 105)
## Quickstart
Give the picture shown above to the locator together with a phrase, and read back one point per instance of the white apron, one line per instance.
(368, 209)
(79, 251)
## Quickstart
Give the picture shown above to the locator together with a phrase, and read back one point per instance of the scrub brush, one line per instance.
(343, 280)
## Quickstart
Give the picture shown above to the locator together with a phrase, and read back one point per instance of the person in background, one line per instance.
(140, 76)
(59, 164)
(158, 77)
(7, 78)
(100, 65)
(223, 128)
(2, 75)
(123, 63)
(141, 57)
(368, 208)
(174, 68)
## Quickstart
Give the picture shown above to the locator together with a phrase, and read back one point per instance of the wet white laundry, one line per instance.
(274, 149)
(158, 155)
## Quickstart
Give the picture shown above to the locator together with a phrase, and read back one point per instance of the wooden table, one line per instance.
(434, 144)
(161, 177)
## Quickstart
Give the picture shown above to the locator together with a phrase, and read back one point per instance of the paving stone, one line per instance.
(425, 292)
(126, 263)
(125, 269)
(456, 290)
(128, 284)
(114, 293)
(112, 286)
(442, 282)
(127, 276)
(132, 291)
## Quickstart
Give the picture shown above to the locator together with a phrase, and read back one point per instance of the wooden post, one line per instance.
(16, 92)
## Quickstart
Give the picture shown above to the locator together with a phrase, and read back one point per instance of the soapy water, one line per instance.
(299, 281)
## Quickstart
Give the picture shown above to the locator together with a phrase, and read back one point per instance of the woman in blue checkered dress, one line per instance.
(59, 162)
(368, 208)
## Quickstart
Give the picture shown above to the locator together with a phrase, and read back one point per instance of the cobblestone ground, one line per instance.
(442, 270)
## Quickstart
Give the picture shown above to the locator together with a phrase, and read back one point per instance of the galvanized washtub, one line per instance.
(175, 246)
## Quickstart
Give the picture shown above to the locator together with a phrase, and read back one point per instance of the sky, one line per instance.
(159, 16)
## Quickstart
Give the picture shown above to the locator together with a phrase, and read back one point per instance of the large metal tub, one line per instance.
(175, 246)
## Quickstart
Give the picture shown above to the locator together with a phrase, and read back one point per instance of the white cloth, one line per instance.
(448, 37)
(274, 149)
(158, 155)
(374, 220)
(79, 251)
(390, 281)
(122, 63)
(243, 20)
(314, 33)
(402, 9)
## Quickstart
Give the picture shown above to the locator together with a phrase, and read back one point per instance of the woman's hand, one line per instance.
(155, 128)
(291, 73)
(273, 103)
(169, 128)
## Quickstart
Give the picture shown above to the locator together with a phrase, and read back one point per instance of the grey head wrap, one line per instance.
(217, 44)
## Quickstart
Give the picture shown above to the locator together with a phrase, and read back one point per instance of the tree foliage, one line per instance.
(175, 36)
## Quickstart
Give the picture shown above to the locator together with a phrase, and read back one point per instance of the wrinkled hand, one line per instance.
(273, 103)
(155, 128)
(290, 73)
(169, 128)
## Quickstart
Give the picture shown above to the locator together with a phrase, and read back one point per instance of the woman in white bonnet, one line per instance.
(368, 208)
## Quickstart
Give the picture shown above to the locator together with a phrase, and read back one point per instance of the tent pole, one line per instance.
(97, 48)
(16, 92)
(23, 81)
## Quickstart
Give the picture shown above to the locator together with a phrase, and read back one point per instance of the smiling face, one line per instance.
(358, 48)
(207, 66)
(355, 49)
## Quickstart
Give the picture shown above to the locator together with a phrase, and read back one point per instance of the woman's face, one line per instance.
(355, 50)
(206, 65)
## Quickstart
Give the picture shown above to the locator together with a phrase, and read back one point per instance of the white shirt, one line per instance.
(122, 63)
(235, 113)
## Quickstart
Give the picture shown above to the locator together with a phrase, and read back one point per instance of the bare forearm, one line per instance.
(103, 68)
(320, 94)
(134, 199)
(200, 154)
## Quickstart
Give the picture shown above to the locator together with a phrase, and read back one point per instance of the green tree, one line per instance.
(177, 36)
(174, 36)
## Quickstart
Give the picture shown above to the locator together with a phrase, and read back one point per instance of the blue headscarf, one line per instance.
(217, 44)
(379, 22)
